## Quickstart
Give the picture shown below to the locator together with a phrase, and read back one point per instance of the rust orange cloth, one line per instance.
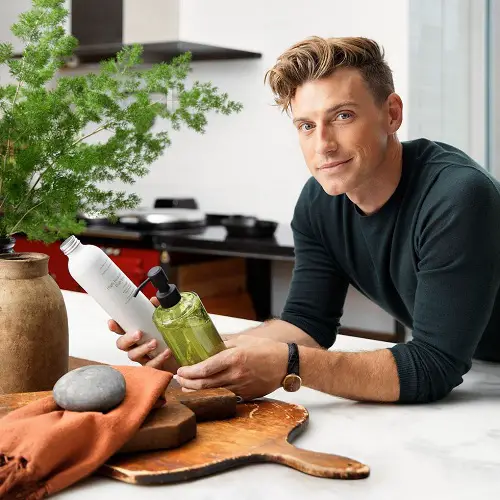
(44, 449)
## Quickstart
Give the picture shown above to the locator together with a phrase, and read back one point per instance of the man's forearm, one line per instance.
(281, 331)
(361, 376)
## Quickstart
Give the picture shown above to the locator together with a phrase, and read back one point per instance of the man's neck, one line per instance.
(376, 191)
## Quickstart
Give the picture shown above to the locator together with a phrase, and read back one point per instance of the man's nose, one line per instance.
(326, 142)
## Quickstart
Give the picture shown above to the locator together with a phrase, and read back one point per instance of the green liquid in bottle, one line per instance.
(188, 330)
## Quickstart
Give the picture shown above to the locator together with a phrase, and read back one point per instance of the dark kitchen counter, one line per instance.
(214, 240)
(205, 240)
(209, 240)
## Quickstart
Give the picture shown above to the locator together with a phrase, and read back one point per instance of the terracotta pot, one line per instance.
(33, 325)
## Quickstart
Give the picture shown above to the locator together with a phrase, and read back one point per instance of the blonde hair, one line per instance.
(315, 58)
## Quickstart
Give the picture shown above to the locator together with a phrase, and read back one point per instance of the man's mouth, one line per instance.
(333, 164)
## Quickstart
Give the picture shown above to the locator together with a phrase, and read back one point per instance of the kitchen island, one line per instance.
(448, 449)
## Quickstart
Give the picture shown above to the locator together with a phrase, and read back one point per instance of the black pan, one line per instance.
(242, 226)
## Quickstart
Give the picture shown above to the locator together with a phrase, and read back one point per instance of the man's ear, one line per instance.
(394, 112)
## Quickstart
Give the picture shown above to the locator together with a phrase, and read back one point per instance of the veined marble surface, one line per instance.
(444, 450)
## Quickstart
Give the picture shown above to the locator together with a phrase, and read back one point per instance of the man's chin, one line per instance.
(332, 189)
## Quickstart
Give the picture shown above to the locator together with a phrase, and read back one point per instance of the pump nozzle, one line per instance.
(157, 277)
(167, 294)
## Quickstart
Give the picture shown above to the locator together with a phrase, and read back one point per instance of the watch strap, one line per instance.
(293, 359)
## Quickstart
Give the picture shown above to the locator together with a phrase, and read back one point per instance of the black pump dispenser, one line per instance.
(168, 295)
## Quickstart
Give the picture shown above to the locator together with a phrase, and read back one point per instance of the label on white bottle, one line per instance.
(117, 280)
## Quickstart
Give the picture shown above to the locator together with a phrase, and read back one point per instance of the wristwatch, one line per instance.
(292, 380)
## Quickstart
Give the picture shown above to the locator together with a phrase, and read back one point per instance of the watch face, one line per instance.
(292, 383)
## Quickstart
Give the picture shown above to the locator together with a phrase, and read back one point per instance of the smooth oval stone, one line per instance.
(90, 388)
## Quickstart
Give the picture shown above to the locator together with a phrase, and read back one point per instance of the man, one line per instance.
(414, 226)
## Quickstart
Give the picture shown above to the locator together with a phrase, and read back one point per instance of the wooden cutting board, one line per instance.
(206, 404)
(260, 432)
(168, 427)
(164, 428)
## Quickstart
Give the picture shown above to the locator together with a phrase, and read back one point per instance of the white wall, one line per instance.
(494, 86)
(447, 73)
(9, 11)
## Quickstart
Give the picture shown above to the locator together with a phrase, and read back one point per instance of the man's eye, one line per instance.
(306, 127)
(344, 116)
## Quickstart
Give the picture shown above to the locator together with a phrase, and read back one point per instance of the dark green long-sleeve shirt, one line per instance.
(430, 257)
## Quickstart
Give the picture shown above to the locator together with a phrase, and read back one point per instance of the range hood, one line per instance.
(104, 27)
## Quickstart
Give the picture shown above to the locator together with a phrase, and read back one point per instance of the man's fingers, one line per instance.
(230, 336)
(128, 340)
(158, 361)
(230, 343)
(137, 353)
(143, 361)
(220, 380)
(115, 327)
(154, 301)
(207, 368)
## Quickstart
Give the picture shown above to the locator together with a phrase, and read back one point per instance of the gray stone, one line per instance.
(90, 388)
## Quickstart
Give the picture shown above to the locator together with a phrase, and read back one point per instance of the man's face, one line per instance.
(343, 133)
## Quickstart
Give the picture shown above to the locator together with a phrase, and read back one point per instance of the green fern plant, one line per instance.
(49, 171)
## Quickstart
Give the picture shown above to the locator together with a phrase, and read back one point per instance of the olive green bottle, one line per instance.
(183, 321)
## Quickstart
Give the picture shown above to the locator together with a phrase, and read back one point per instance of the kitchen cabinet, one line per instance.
(103, 28)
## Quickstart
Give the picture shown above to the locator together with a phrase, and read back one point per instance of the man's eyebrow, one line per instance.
(331, 110)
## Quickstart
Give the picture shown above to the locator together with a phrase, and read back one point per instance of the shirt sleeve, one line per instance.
(317, 292)
(457, 239)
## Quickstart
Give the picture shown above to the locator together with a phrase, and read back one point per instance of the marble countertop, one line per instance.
(449, 449)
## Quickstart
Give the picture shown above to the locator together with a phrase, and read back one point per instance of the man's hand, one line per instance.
(139, 353)
(251, 367)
